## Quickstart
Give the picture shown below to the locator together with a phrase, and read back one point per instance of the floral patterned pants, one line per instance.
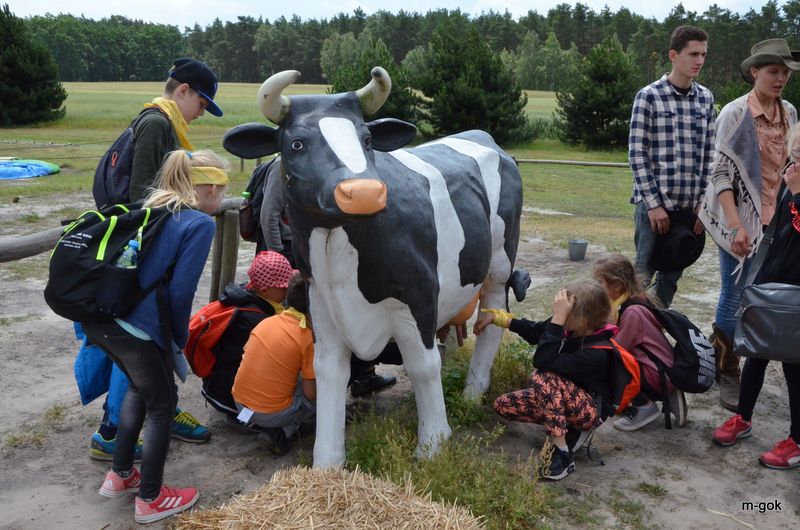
(552, 401)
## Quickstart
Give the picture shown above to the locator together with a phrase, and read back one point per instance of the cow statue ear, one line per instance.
(251, 140)
(389, 134)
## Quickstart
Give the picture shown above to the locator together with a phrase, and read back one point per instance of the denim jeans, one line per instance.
(152, 394)
(300, 410)
(645, 239)
(730, 292)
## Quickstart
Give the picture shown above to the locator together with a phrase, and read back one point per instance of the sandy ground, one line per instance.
(678, 477)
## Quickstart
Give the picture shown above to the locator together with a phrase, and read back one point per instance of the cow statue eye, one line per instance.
(297, 145)
(368, 142)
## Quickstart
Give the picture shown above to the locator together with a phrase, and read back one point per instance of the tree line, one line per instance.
(451, 72)
(543, 50)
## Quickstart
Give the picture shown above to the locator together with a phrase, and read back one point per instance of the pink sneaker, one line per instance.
(169, 502)
(116, 486)
(785, 455)
(733, 429)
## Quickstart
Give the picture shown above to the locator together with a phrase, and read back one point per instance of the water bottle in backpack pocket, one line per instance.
(119, 284)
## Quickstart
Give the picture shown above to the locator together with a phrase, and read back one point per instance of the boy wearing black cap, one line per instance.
(188, 93)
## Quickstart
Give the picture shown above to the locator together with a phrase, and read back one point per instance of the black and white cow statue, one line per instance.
(395, 242)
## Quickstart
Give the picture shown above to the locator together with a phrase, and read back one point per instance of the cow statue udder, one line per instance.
(395, 242)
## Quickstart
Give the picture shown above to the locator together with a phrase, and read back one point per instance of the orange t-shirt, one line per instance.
(277, 351)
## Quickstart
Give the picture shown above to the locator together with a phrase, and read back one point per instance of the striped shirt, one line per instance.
(671, 145)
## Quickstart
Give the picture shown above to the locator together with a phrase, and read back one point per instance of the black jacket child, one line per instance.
(229, 349)
(783, 255)
(578, 359)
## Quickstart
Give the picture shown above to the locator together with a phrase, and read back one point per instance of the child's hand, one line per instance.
(562, 306)
(792, 177)
(498, 317)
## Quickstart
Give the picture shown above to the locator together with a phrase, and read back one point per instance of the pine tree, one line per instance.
(29, 86)
(402, 102)
(469, 87)
(596, 110)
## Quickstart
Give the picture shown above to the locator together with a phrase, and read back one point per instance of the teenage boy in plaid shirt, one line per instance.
(670, 150)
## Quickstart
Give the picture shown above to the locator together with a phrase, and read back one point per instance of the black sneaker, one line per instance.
(576, 439)
(562, 463)
(372, 383)
(275, 440)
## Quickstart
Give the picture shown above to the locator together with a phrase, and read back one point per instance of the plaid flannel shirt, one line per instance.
(671, 145)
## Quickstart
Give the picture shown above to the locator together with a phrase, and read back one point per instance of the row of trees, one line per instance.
(450, 71)
(544, 50)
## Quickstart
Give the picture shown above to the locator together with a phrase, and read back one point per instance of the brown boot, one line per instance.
(728, 371)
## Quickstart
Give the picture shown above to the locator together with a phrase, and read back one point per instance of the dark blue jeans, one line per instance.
(645, 241)
(152, 394)
(730, 292)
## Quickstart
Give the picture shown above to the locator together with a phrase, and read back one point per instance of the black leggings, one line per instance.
(750, 386)
(152, 394)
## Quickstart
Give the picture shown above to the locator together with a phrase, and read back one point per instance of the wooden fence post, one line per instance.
(216, 258)
(230, 250)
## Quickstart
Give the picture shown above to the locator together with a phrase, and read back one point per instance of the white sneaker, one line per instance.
(635, 418)
(677, 405)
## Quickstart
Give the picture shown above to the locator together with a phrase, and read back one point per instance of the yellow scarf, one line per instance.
(209, 175)
(275, 305)
(170, 108)
(298, 315)
(615, 305)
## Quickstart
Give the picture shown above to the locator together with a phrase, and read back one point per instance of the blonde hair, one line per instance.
(592, 306)
(173, 185)
(616, 268)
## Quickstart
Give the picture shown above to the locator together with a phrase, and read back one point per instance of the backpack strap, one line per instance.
(147, 112)
(163, 307)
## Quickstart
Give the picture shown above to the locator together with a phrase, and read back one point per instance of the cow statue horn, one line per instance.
(376, 92)
(275, 106)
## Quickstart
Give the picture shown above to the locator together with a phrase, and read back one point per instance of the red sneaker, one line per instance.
(733, 429)
(785, 455)
(169, 502)
(116, 486)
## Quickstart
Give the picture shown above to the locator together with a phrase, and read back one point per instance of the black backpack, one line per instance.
(250, 215)
(694, 366)
(84, 285)
(112, 178)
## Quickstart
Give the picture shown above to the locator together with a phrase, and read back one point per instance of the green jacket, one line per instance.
(154, 137)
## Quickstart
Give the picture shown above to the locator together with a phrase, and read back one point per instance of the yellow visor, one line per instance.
(209, 175)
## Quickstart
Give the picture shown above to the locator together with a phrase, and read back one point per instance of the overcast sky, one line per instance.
(186, 12)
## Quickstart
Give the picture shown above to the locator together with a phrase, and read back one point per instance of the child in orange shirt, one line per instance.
(275, 387)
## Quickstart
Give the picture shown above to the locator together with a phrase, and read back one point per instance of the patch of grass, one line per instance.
(5, 321)
(467, 470)
(630, 513)
(35, 434)
(653, 490)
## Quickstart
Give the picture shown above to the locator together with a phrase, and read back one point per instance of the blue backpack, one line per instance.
(112, 178)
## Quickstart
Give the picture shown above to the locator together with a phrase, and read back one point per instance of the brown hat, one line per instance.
(770, 51)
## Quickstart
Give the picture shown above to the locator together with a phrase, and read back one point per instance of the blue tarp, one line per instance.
(24, 169)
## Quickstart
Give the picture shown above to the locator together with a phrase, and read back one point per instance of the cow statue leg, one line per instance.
(332, 369)
(423, 366)
(486, 344)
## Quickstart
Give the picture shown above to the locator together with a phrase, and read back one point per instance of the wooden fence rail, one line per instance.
(224, 256)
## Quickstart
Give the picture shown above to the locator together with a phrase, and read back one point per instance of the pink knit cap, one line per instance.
(269, 269)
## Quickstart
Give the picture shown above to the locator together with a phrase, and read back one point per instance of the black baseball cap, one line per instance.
(199, 76)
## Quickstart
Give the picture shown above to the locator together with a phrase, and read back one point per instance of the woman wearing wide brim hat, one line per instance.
(743, 190)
